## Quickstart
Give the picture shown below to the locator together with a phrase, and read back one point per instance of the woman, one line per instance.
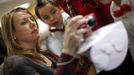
(20, 34)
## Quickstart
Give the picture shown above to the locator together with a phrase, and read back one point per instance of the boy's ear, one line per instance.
(61, 9)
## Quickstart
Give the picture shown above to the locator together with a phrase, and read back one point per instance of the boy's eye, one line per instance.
(46, 17)
(54, 11)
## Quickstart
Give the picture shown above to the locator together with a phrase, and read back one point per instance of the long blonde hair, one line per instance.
(7, 34)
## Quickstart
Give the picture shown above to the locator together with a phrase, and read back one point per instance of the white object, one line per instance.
(128, 20)
(107, 46)
(55, 40)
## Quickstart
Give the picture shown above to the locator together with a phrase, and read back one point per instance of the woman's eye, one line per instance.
(32, 19)
(23, 23)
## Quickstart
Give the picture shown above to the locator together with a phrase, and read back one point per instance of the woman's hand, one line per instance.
(72, 35)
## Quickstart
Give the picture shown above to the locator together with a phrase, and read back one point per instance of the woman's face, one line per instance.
(51, 15)
(25, 26)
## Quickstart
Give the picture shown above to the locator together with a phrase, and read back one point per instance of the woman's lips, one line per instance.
(35, 31)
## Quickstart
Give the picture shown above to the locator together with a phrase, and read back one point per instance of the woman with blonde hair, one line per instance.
(20, 33)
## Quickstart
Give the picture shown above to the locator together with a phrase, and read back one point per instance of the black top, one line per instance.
(20, 65)
(3, 49)
(126, 68)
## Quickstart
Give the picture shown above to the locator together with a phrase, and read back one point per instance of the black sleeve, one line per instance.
(18, 66)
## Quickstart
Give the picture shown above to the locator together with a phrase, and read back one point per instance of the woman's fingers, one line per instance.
(75, 22)
(81, 31)
(73, 35)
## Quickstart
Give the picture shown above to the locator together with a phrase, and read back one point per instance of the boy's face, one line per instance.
(51, 15)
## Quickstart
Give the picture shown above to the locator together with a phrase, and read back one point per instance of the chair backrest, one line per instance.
(1, 69)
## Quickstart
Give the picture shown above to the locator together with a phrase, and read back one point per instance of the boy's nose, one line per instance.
(51, 17)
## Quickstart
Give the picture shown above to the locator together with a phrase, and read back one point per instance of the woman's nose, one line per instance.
(32, 23)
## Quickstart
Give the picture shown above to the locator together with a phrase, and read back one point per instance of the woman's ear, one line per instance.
(13, 36)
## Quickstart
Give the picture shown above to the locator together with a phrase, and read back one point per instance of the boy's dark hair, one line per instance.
(41, 3)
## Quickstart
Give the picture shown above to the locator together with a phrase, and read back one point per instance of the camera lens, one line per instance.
(91, 22)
